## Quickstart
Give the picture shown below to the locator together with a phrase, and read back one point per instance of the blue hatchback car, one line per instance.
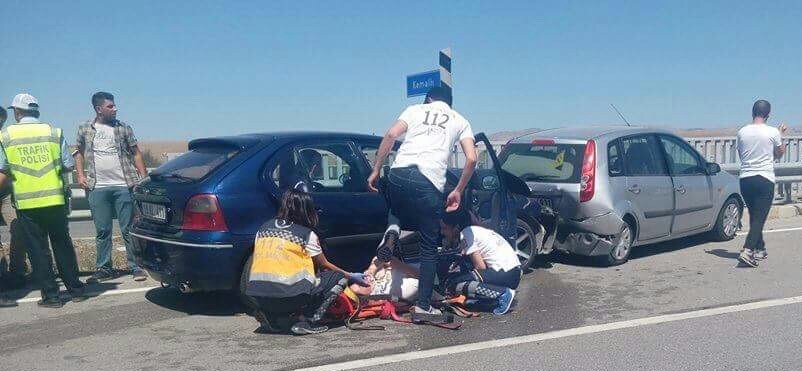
(197, 215)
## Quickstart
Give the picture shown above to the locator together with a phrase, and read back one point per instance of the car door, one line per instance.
(692, 186)
(489, 193)
(648, 186)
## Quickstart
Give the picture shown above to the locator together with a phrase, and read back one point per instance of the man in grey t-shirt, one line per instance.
(109, 163)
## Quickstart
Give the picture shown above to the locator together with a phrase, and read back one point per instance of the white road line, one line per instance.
(744, 233)
(104, 293)
(371, 362)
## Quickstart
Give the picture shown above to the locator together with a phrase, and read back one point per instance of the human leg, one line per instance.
(102, 206)
(38, 252)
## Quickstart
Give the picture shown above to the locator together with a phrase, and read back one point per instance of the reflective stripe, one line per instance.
(34, 173)
(8, 142)
(46, 193)
(6, 137)
(286, 280)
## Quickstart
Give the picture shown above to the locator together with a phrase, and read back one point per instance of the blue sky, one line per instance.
(187, 69)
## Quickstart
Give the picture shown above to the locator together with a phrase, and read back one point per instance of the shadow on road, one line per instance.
(721, 253)
(641, 252)
(204, 303)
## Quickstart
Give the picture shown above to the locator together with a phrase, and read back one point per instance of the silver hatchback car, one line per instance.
(619, 187)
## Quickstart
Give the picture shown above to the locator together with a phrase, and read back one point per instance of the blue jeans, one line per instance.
(104, 202)
(418, 205)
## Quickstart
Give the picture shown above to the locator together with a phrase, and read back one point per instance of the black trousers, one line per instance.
(52, 222)
(758, 193)
(314, 305)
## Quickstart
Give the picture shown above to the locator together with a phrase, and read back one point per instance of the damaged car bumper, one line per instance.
(593, 236)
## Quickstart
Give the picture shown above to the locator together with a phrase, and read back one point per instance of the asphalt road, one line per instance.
(681, 305)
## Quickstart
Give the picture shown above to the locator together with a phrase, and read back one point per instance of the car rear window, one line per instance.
(195, 164)
(549, 163)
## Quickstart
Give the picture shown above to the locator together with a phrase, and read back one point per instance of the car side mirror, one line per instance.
(713, 168)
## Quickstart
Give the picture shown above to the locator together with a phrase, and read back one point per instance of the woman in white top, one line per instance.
(758, 146)
(496, 270)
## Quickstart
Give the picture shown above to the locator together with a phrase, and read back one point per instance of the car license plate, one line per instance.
(154, 211)
(545, 202)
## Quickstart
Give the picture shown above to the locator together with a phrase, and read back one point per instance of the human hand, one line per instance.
(453, 201)
(360, 278)
(782, 128)
(82, 181)
(374, 175)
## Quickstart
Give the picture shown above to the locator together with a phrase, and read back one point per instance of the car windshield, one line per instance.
(194, 164)
(550, 163)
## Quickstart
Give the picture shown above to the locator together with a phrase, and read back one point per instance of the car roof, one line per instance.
(246, 140)
(587, 132)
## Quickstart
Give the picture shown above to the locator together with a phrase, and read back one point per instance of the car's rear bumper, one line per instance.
(200, 267)
(593, 236)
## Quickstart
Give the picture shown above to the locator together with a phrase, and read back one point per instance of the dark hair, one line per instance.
(458, 218)
(298, 207)
(761, 109)
(99, 97)
(29, 113)
(3, 112)
(439, 93)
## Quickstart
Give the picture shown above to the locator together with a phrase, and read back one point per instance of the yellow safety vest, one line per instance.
(34, 156)
(281, 268)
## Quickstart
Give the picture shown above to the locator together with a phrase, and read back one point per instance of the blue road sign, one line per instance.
(420, 83)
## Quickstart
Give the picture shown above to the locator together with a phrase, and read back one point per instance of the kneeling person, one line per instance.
(282, 276)
(496, 269)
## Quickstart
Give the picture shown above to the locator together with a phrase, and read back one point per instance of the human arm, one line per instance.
(315, 251)
(398, 129)
(455, 197)
(779, 146)
(79, 160)
(67, 162)
(477, 261)
(139, 163)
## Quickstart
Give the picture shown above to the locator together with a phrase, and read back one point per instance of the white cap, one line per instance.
(25, 101)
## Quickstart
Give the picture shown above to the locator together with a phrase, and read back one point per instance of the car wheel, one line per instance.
(527, 244)
(250, 305)
(729, 218)
(623, 246)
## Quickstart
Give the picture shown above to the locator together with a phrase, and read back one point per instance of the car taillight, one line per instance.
(203, 213)
(588, 180)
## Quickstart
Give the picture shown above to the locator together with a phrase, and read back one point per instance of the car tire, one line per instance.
(728, 221)
(248, 302)
(527, 243)
(622, 248)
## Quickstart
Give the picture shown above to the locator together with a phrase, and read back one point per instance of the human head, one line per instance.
(3, 116)
(298, 207)
(452, 224)
(25, 105)
(104, 106)
(761, 110)
(439, 93)
(313, 161)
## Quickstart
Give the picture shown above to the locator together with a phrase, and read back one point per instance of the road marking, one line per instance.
(395, 358)
(104, 293)
(744, 233)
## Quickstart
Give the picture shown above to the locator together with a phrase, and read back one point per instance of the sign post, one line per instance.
(420, 83)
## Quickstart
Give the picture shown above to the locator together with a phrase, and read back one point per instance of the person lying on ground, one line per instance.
(496, 270)
(281, 277)
(394, 280)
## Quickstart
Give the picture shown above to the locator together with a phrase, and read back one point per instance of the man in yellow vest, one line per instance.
(34, 156)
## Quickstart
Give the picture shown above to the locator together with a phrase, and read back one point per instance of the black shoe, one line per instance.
(747, 257)
(306, 328)
(101, 275)
(760, 254)
(431, 316)
(7, 303)
(139, 275)
(54, 302)
(78, 294)
(385, 250)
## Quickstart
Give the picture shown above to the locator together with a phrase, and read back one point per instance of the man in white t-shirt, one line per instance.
(417, 179)
(109, 153)
(495, 271)
(758, 146)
